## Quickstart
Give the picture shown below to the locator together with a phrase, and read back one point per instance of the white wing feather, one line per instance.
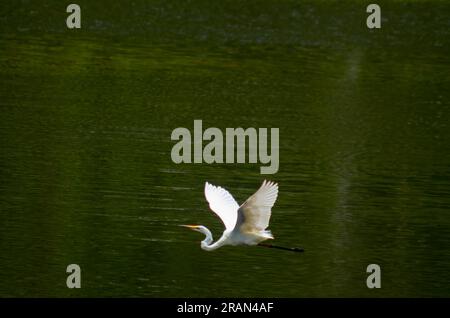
(223, 204)
(254, 214)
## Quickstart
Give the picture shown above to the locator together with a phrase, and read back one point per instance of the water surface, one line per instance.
(85, 167)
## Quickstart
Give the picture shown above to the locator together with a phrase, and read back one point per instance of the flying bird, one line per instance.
(244, 225)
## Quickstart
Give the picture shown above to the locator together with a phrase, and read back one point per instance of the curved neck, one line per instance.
(209, 238)
(206, 244)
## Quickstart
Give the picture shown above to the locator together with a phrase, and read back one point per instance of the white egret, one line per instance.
(244, 225)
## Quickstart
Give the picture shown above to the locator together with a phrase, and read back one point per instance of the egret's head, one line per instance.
(200, 228)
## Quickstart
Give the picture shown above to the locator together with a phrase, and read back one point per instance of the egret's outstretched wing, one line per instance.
(254, 214)
(223, 204)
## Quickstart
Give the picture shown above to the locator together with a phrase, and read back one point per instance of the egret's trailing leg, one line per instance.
(292, 249)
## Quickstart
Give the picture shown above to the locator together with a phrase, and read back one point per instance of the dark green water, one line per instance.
(86, 175)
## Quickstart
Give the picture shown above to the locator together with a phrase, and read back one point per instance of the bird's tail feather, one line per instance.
(267, 234)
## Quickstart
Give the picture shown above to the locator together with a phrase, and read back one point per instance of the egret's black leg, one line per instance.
(292, 249)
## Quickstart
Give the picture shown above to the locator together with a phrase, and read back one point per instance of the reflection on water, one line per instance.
(364, 171)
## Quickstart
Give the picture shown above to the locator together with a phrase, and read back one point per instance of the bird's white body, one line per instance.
(245, 224)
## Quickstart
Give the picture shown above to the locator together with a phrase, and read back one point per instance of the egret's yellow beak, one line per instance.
(192, 227)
